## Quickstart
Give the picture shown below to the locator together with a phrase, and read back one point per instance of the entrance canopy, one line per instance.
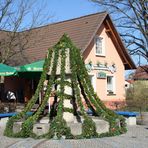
(32, 67)
(6, 70)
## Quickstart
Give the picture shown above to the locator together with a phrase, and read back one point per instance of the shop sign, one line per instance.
(101, 75)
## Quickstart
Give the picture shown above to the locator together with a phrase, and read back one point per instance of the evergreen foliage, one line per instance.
(80, 84)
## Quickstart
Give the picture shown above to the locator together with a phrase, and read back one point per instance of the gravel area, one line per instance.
(136, 137)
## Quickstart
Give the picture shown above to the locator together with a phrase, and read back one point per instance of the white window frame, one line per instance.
(93, 82)
(113, 83)
(99, 38)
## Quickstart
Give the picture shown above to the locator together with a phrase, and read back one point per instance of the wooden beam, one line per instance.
(108, 30)
(116, 43)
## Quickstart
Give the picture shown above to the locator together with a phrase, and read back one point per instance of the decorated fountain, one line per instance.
(66, 75)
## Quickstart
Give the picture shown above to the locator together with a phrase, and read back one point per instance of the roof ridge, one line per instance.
(80, 17)
(105, 12)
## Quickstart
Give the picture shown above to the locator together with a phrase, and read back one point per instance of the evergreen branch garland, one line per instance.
(66, 83)
(27, 126)
(108, 114)
(89, 105)
(49, 85)
(58, 125)
(70, 110)
(88, 125)
(66, 96)
(60, 106)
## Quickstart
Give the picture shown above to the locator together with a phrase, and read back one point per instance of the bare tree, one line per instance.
(131, 19)
(137, 96)
(15, 17)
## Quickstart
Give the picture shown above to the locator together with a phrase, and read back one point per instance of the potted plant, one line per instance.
(113, 65)
(98, 63)
(105, 64)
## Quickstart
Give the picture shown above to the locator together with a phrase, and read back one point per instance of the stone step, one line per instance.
(3, 121)
(17, 126)
(76, 128)
(40, 128)
(102, 126)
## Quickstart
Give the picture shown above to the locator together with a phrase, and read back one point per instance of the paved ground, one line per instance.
(136, 137)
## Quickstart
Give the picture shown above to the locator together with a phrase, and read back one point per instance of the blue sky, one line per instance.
(68, 9)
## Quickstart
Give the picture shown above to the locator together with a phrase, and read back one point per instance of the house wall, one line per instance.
(111, 56)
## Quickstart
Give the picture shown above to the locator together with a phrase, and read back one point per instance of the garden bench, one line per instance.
(129, 116)
(4, 115)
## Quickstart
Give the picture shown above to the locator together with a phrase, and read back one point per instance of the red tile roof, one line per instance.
(130, 81)
(141, 73)
(81, 31)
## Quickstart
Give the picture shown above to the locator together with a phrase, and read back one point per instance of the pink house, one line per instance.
(105, 56)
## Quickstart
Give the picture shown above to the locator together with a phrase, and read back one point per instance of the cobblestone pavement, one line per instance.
(136, 137)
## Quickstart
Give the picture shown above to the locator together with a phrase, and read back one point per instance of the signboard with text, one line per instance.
(101, 75)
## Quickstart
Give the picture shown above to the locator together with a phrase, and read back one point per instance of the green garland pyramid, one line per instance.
(57, 67)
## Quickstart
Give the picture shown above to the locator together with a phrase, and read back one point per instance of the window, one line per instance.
(110, 85)
(99, 45)
(93, 81)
